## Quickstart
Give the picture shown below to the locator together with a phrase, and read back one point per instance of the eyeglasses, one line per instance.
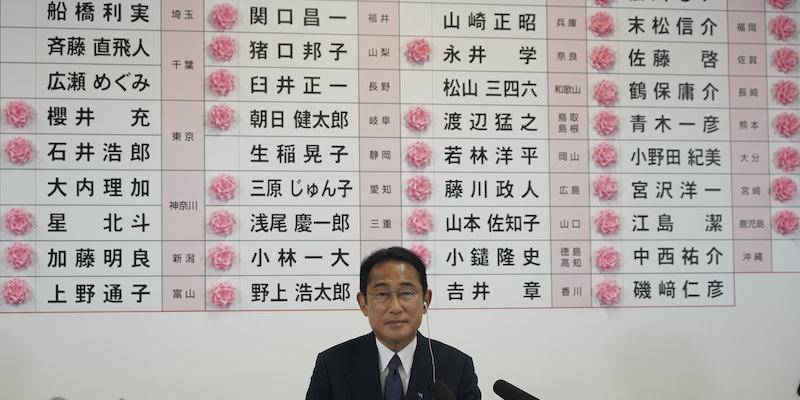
(405, 295)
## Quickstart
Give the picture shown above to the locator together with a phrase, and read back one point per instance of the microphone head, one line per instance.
(508, 391)
(441, 392)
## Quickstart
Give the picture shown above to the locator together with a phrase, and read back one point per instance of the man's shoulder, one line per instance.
(441, 349)
(349, 346)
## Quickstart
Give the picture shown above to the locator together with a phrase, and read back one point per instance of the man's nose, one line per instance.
(394, 302)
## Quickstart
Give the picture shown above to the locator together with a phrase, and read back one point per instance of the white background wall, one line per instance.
(750, 351)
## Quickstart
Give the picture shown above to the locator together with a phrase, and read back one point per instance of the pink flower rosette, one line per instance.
(19, 150)
(782, 27)
(786, 222)
(19, 255)
(223, 186)
(606, 122)
(787, 124)
(787, 158)
(607, 258)
(779, 4)
(18, 220)
(785, 92)
(419, 187)
(607, 222)
(420, 221)
(785, 59)
(18, 113)
(608, 292)
(224, 16)
(422, 252)
(783, 188)
(606, 187)
(604, 154)
(418, 50)
(601, 24)
(603, 57)
(222, 256)
(222, 294)
(222, 222)
(222, 82)
(418, 118)
(221, 116)
(419, 154)
(223, 47)
(15, 291)
(602, 3)
(605, 92)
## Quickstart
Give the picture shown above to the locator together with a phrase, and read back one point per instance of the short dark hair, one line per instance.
(396, 253)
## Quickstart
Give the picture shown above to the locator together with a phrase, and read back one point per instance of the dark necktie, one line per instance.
(394, 385)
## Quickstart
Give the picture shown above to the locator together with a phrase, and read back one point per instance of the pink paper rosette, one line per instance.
(785, 59)
(19, 150)
(602, 3)
(18, 221)
(607, 222)
(419, 154)
(422, 252)
(782, 27)
(222, 82)
(783, 188)
(607, 258)
(779, 4)
(604, 154)
(15, 291)
(605, 92)
(787, 158)
(601, 24)
(221, 116)
(606, 122)
(18, 113)
(787, 124)
(608, 292)
(606, 187)
(420, 221)
(224, 16)
(222, 256)
(603, 57)
(223, 47)
(19, 255)
(222, 294)
(785, 92)
(222, 222)
(418, 118)
(418, 50)
(419, 187)
(786, 222)
(223, 186)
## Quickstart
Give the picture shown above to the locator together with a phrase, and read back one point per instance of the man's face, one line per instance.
(395, 322)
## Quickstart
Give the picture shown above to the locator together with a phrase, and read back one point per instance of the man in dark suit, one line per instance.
(394, 361)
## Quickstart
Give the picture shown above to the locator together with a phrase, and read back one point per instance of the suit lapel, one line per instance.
(364, 377)
(422, 370)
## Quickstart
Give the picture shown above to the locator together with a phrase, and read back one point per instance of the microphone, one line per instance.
(508, 391)
(441, 392)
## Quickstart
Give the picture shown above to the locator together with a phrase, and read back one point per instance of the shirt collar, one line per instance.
(406, 355)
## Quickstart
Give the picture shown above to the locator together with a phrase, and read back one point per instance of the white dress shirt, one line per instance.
(406, 359)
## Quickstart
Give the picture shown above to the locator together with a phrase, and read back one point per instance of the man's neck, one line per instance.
(396, 347)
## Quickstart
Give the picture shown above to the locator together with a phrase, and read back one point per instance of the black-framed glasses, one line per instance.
(405, 295)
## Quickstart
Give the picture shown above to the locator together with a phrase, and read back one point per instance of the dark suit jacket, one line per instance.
(349, 371)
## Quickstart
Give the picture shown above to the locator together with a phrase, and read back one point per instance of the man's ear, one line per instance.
(362, 303)
(426, 299)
